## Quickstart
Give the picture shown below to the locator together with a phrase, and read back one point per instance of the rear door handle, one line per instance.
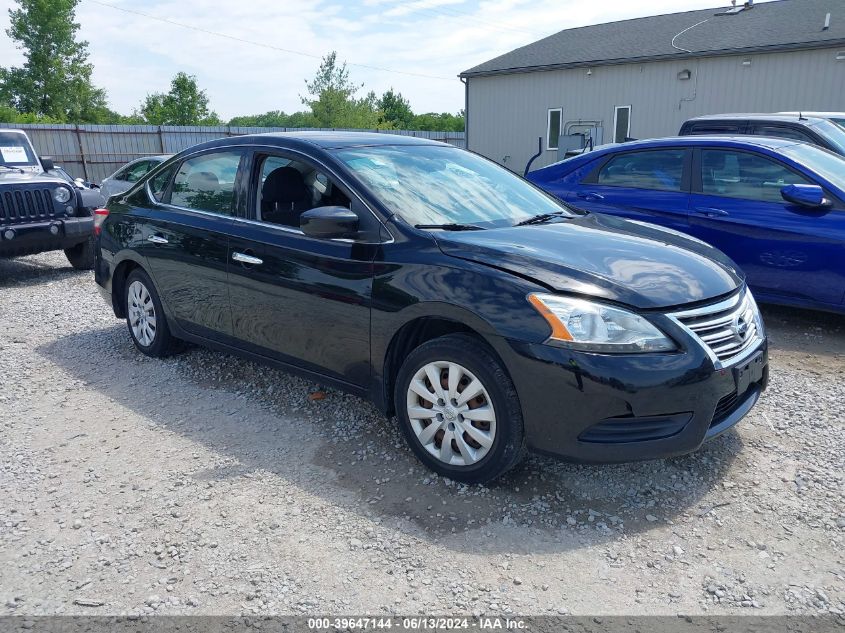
(589, 195)
(243, 258)
(711, 212)
(157, 239)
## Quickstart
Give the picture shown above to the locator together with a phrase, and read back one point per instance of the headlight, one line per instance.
(585, 325)
(758, 317)
(61, 194)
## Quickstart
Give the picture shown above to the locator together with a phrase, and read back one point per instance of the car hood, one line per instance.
(9, 177)
(642, 265)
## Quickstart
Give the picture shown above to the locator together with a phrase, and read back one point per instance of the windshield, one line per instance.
(15, 150)
(825, 163)
(428, 184)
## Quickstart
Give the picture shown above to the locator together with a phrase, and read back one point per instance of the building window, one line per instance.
(621, 123)
(553, 128)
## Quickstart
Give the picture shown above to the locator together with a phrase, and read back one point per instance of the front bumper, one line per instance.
(613, 408)
(46, 235)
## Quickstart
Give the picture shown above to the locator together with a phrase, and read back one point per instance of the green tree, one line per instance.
(185, 104)
(275, 118)
(395, 110)
(9, 115)
(331, 97)
(442, 122)
(55, 79)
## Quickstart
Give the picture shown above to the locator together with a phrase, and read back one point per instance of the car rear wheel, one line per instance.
(459, 410)
(81, 256)
(145, 317)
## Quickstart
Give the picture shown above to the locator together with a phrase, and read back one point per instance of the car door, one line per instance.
(186, 239)
(297, 299)
(650, 185)
(786, 251)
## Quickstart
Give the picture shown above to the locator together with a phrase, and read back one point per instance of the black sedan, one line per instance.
(488, 316)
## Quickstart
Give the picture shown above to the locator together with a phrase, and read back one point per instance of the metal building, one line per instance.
(644, 77)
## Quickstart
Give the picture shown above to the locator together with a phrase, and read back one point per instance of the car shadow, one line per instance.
(820, 334)
(31, 271)
(348, 453)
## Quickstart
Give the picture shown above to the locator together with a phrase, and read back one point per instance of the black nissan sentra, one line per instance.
(488, 316)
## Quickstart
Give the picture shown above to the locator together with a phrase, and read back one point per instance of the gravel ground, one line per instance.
(204, 484)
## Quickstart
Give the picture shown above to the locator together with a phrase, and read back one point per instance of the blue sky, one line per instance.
(417, 47)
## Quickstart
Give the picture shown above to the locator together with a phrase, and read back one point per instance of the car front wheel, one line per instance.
(459, 410)
(81, 256)
(145, 317)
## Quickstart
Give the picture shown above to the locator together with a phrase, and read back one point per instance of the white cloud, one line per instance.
(135, 55)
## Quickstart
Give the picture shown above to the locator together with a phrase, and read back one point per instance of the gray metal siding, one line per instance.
(507, 113)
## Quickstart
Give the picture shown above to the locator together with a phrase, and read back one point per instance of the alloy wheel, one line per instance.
(451, 413)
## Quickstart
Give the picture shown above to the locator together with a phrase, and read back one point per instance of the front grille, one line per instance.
(724, 407)
(26, 204)
(727, 328)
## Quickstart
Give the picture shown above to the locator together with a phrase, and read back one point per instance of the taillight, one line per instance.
(100, 216)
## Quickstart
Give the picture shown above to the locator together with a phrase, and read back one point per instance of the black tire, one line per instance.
(508, 446)
(162, 342)
(81, 256)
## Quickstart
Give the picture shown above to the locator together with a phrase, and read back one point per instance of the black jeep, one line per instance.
(40, 211)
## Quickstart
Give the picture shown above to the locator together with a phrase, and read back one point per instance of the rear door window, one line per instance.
(207, 182)
(660, 170)
(744, 175)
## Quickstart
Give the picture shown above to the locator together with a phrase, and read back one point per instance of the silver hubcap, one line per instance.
(142, 313)
(451, 413)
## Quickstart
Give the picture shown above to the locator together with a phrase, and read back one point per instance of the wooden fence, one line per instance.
(96, 151)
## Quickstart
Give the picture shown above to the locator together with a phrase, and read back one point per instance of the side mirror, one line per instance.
(805, 195)
(329, 222)
(46, 163)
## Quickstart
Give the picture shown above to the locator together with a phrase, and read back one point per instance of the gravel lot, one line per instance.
(204, 484)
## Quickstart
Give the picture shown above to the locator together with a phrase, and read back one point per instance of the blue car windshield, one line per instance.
(431, 184)
(825, 163)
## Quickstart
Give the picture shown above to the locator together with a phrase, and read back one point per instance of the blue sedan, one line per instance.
(775, 206)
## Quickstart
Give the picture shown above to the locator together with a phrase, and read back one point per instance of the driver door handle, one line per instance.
(243, 258)
(157, 239)
(711, 212)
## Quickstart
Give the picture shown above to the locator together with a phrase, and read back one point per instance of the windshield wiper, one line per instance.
(543, 217)
(13, 168)
(452, 226)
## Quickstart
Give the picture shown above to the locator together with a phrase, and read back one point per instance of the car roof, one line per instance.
(717, 140)
(327, 139)
(768, 142)
(818, 115)
(806, 118)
